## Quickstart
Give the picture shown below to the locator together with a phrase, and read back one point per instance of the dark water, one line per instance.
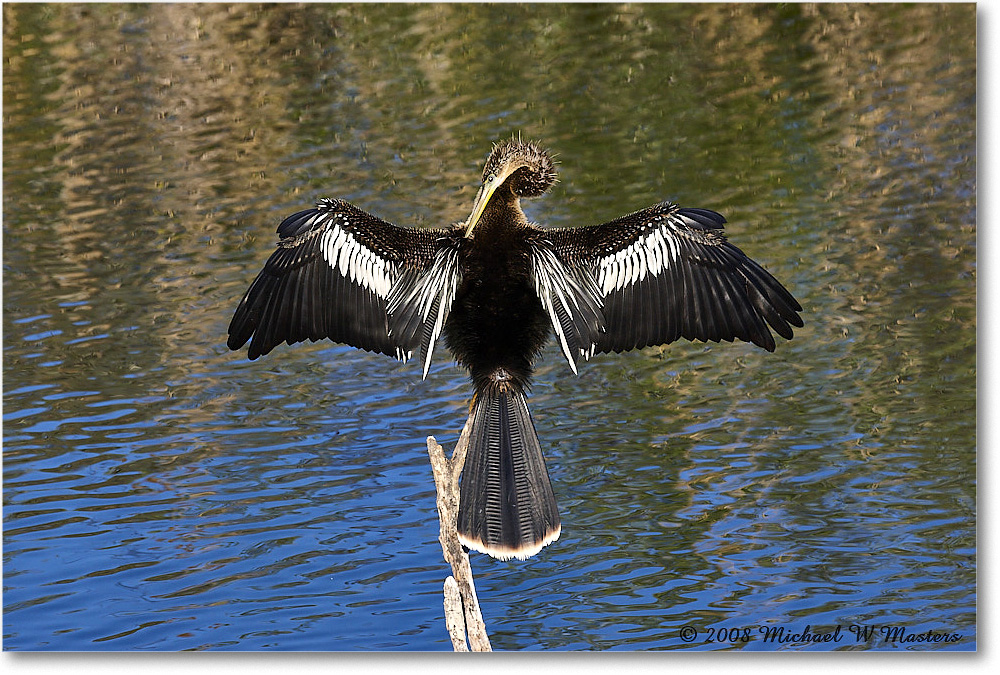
(162, 493)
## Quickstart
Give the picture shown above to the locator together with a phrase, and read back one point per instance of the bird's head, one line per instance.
(514, 169)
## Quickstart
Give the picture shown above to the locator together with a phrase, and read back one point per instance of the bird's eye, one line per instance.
(489, 178)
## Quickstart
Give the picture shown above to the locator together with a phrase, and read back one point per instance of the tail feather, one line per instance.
(506, 507)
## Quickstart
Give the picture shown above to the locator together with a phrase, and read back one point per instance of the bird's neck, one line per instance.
(502, 214)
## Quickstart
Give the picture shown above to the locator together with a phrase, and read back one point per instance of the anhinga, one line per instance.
(496, 286)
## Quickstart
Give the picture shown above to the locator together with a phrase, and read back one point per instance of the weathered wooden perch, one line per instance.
(461, 606)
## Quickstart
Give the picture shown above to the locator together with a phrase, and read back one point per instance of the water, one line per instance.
(163, 493)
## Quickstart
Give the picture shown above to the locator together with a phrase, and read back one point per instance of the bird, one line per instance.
(497, 287)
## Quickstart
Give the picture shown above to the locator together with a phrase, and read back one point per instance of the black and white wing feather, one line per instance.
(419, 303)
(572, 300)
(343, 274)
(666, 273)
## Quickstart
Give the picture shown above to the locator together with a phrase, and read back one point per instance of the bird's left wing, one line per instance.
(666, 273)
(341, 273)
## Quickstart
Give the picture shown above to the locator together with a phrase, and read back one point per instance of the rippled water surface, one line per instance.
(163, 493)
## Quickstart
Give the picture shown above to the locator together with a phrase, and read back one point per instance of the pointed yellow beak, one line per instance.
(486, 193)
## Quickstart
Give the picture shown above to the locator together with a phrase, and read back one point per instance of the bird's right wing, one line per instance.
(570, 296)
(661, 274)
(343, 274)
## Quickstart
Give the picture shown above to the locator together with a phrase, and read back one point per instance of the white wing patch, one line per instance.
(650, 254)
(354, 260)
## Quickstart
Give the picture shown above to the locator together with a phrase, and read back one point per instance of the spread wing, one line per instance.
(665, 273)
(343, 274)
(570, 296)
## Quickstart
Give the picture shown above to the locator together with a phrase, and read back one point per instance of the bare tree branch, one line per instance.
(466, 605)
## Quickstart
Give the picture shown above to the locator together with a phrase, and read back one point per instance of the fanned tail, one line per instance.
(507, 508)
